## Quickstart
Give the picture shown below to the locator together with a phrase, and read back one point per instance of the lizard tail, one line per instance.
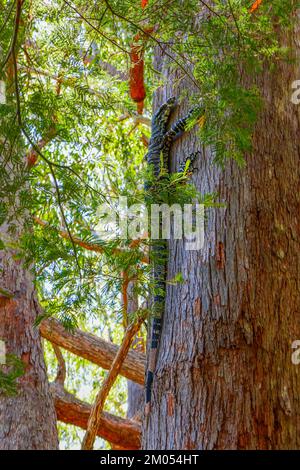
(156, 329)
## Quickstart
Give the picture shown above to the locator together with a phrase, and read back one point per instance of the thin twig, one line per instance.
(12, 46)
(6, 19)
(61, 369)
(36, 148)
(95, 28)
(58, 196)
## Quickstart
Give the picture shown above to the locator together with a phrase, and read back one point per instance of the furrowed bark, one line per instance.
(224, 376)
(27, 421)
(93, 349)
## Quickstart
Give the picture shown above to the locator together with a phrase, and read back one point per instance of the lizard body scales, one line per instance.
(158, 156)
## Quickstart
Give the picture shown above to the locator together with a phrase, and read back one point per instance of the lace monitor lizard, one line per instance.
(158, 155)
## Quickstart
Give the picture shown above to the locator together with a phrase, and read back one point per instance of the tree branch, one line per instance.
(61, 369)
(121, 432)
(137, 119)
(113, 71)
(93, 349)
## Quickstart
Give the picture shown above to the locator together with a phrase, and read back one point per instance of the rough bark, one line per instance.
(224, 377)
(28, 420)
(135, 400)
(119, 432)
(93, 349)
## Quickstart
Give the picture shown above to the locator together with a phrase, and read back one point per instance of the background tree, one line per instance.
(27, 414)
(61, 182)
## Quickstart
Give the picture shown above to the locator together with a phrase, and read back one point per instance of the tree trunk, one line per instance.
(28, 420)
(224, 376)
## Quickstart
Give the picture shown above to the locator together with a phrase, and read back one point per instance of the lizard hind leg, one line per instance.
(162, 115)
(158, 127)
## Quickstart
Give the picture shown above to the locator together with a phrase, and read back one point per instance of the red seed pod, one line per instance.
(136, 83)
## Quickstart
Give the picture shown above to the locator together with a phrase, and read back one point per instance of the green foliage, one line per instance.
(177, 279)
(230, 50)
(9, 373)
(169, 188)
(64, 84)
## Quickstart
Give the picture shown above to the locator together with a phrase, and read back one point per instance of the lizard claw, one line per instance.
(191, 159)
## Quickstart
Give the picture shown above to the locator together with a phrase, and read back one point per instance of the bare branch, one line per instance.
(61, 370)
(137, 119)
(93, 349)
(145, 140)
(70, 410)
(113, 71)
